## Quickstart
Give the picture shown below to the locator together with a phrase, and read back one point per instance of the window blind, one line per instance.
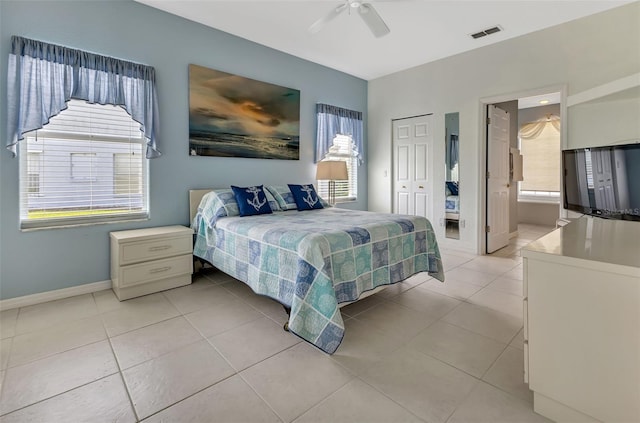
(541, 162)
(86, 165)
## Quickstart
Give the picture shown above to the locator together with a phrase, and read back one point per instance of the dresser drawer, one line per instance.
(135, 252)
(135, 274)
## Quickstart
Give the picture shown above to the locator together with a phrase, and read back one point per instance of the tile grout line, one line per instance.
(124, 383)
(115, 358)
(453, 366)
(202, 338)
(57, 395)
(61, 322)
(185, 398)
(33, 360)
(240, 298)
(255, 391)
(478, 379)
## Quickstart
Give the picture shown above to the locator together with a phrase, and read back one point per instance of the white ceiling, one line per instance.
(421, 30)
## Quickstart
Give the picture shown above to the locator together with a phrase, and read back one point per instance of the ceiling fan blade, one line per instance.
(320, 23)
(373, 20)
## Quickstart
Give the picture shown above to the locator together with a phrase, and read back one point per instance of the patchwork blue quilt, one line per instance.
(313, 260)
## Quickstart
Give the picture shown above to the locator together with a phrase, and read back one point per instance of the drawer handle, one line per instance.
(160, 248)
(160, 269)
(421, 187)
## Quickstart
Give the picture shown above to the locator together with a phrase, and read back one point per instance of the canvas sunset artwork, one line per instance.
(233, 116)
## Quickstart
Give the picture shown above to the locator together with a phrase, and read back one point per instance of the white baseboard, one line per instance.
(58, 294)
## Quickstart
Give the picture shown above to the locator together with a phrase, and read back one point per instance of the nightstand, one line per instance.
(149, 260)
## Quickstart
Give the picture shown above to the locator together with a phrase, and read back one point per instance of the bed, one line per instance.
(312, 261)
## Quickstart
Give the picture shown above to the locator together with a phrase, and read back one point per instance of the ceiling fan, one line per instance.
(366, 11)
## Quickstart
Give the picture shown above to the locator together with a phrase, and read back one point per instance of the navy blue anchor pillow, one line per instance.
(305, 197)
(251, 200)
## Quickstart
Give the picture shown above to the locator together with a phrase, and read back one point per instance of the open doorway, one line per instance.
(529, 200)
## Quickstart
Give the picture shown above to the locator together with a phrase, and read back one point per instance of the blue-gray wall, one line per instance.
(44, 260)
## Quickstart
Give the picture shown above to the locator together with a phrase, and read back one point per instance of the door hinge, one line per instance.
(488, 121)
(488, 174)
(487, 229)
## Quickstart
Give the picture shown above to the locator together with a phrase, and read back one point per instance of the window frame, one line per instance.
(80, 176)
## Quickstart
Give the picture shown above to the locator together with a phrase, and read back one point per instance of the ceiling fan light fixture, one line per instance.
(367, 12)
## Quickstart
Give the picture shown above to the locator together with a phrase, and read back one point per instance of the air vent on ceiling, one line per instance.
(486, 32)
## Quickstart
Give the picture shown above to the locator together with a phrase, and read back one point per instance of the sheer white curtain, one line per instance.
(534, 129)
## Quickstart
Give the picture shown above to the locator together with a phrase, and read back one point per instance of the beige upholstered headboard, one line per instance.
(195, 195)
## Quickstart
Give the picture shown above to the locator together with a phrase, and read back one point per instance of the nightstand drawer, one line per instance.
(135, 252)
(158, 269)
(150, 260)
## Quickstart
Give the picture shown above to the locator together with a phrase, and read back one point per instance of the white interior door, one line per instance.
(497, 178)
(412, 151)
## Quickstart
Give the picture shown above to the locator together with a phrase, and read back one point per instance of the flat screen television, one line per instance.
(603, 181)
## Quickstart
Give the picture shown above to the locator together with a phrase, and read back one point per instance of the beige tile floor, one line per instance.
(420, 351)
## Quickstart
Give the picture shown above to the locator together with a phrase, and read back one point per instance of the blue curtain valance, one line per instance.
(333, 120)
(43, 77)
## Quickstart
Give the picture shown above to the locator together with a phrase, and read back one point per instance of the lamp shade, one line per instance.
(332, 170)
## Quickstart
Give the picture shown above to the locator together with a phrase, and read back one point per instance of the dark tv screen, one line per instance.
(603, 181)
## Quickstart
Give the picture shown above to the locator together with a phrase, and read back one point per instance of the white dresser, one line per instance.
(582, 321)
(150, 260)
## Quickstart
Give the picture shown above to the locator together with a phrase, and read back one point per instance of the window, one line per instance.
(33, 172)
(85, 166)
(541, 166)
(342, 149)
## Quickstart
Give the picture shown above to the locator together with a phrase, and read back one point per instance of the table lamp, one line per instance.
(332, 170)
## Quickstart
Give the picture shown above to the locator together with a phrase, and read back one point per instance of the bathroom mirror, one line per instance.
(452, 172)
